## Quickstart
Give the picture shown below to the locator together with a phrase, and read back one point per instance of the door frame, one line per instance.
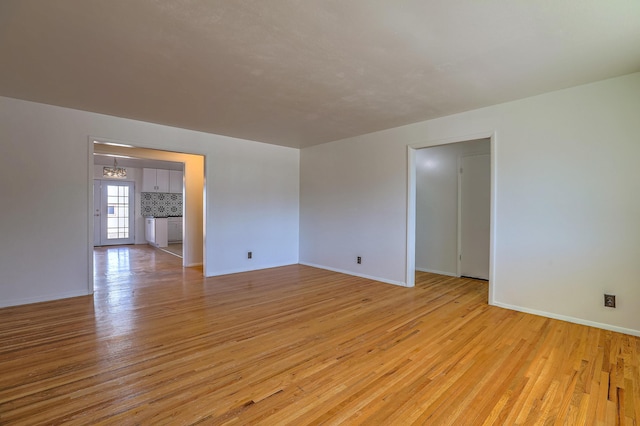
(90, 178)
(411, 202)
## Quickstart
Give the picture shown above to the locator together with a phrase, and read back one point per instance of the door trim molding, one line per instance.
(195, 172)
(410, 257)
(90, 169)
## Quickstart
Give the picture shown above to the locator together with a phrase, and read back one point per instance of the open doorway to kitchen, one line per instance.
(173, 201)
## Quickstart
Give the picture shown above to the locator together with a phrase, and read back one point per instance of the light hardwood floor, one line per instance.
(158, 344)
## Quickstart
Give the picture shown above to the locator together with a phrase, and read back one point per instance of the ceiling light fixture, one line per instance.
(115, 171)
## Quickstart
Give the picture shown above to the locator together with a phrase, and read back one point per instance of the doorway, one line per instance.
(113, 215)
(193, 192)
(445, 239)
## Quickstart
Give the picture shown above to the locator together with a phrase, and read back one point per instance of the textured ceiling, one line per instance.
(303, 72)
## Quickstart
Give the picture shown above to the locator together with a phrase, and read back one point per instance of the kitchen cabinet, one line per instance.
(175, 181)
(174, 232)
(155, 231)
(155, 180)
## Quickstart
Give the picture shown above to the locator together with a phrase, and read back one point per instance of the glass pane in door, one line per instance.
(117, 212)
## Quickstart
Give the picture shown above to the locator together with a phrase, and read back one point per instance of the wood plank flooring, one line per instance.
(158, 344)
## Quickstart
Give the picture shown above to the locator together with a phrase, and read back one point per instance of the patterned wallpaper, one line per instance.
(160, 204)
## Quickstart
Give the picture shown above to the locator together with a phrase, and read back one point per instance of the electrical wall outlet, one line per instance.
(249, 255)
(610, 300)
(359, 260)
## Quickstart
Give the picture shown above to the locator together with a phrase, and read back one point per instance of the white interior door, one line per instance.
(474, 215)
(116, 212)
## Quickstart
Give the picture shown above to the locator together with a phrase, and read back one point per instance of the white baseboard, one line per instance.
(193, 264)
(38, 299)
(433, 271)
(580, 321)
(342, 271)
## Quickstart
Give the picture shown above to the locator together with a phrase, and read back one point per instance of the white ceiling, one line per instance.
(303, 72)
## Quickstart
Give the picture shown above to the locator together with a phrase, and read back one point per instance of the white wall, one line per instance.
(353, 203)
(253, 200)
(45, 164)
(566, 226)
(437, 204)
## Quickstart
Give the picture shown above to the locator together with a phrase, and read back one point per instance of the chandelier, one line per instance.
(115, 171)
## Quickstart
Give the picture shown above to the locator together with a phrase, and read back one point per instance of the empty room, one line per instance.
(319, 212)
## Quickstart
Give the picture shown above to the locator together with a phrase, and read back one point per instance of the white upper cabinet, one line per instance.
(149, 180)
(155, 180)
(162, 180)
(175, 181)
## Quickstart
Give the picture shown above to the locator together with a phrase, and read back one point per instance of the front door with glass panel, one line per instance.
(113, 204)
